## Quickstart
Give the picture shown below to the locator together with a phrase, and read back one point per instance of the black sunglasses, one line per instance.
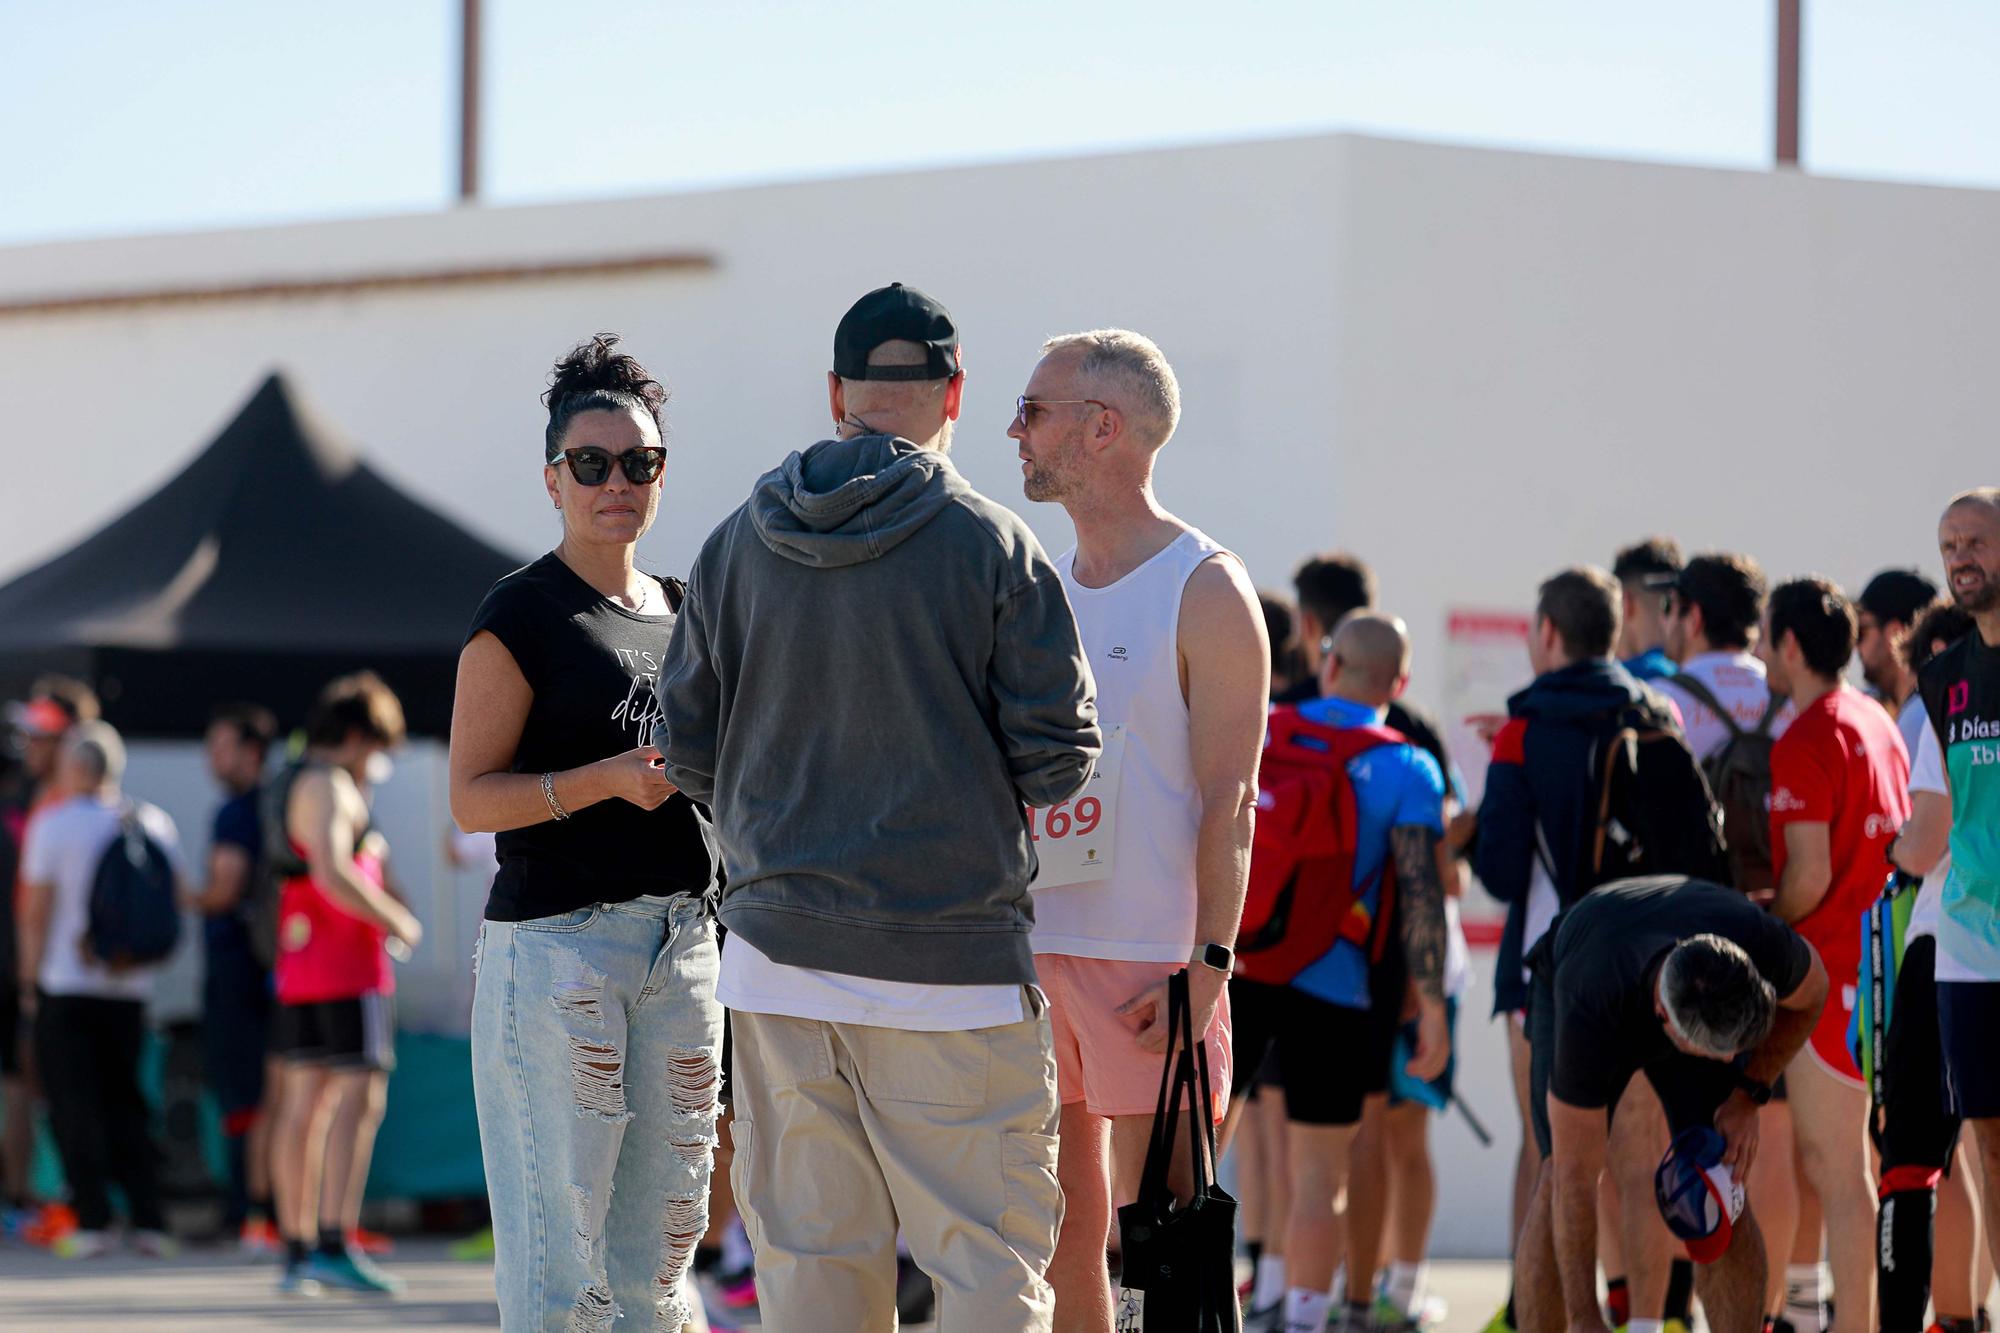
(591, 466)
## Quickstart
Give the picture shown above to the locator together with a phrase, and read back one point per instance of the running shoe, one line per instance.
(476, 1248)
(1498, 1323)
(49, 1225)
(1677, 1326)
(350, 1270)
(371, 1243)
(294, 1281)
(80, 1244)
(260, 1239)
(1430, 1312)
(1265, 1318)
(154, 1245)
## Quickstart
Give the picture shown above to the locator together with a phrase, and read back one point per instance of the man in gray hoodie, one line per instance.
(875, 668)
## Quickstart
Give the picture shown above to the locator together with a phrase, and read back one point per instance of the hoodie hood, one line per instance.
(1577, 691)
(844, 502)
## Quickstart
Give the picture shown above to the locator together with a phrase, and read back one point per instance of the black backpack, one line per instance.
(134, 918)
(1740, 776)
(278, 863)
(1655, 812)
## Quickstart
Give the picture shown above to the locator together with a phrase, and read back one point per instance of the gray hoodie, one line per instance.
(874, 669)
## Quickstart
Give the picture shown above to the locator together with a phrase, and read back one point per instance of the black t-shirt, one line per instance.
(1606, 956)
(592, 665)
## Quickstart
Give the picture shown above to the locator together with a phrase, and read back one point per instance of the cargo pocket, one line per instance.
(927, 1068)
(1034, 1198)
(743, 1176)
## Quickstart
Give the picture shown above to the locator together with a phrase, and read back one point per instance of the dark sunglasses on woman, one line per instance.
(591, 466)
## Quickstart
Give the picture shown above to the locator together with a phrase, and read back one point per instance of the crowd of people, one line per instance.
(866, 859)
(299, 915)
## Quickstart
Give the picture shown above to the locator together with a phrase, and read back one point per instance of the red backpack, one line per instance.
(1302, 898)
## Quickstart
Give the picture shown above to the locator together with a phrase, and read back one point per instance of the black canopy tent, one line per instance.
(276, 561)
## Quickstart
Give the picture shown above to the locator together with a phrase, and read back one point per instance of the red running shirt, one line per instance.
(326, 952)
(1841, 763)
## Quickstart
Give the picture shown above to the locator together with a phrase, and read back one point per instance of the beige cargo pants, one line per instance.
(845, 1133)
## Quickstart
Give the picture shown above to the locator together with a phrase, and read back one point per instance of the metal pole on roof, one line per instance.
(468, 104)
(1790, 25)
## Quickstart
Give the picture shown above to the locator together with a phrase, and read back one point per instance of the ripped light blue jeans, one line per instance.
(596, 1043)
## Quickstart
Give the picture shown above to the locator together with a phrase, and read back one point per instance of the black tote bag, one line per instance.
(1182, 1256)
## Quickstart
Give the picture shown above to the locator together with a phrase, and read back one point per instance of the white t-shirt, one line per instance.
(1926, 774)
(751, 983)
(1736, 679)
(1457, 955)
(63, 847)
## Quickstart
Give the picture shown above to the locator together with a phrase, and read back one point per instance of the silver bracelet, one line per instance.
(549, 795)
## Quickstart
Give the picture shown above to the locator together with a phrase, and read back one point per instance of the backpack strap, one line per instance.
(676, 590)
(1771, 711)
(1703, 695)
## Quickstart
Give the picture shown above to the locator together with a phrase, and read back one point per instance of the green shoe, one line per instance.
(351, 1270)
(1431, 1312)
(474, 1249)
(1498, 1323)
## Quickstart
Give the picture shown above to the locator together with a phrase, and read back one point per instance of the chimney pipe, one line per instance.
(468, 104)
(1790, 22)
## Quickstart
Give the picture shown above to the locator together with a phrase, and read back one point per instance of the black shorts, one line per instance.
(1968, 1016)
(235, 1029)
(1913, 1125)
(12, 1034)
(1334, 1057)
(357, 1033)
(1690, 1088)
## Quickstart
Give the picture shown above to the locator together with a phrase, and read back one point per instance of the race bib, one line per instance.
(1073, 841)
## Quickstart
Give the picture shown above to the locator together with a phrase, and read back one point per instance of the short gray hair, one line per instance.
(99, 748)
(1715, 998)
(1134, 370)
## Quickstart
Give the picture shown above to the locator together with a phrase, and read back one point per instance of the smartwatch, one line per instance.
(1218, 956)
(1759, 1093)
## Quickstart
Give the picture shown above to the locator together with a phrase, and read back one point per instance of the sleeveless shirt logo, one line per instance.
(1118, 654)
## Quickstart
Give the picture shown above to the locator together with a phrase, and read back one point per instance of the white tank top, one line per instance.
(1144, 909)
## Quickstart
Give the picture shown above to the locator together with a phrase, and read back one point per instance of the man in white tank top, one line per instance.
(1144, 874)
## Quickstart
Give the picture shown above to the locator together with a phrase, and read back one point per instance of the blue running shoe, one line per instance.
(294, 1282)
(350, 1270)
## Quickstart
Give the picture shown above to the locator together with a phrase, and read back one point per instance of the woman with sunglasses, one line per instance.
(595, 1028)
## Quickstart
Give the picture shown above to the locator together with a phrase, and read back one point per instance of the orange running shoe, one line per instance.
(371, 1243)
(51, 1224)
(260, 1237)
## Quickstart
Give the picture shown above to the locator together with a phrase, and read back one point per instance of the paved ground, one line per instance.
(217, 1292)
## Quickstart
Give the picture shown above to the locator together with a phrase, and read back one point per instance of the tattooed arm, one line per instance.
(1420, 904)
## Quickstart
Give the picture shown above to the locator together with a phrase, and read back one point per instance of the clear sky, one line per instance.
(122, 116)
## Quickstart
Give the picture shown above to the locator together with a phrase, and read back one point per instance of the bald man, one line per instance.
(1334, 1025)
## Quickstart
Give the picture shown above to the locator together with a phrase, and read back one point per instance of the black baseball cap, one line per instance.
(895, 314)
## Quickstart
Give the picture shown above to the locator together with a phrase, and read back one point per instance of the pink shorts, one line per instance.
(1098, 1060)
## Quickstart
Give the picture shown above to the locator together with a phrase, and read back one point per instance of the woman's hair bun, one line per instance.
(596, 376)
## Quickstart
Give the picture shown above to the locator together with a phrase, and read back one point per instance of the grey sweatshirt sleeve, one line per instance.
(690, 704)
(1047, 699)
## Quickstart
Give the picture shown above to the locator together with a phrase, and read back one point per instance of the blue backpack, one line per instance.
(134, 919)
